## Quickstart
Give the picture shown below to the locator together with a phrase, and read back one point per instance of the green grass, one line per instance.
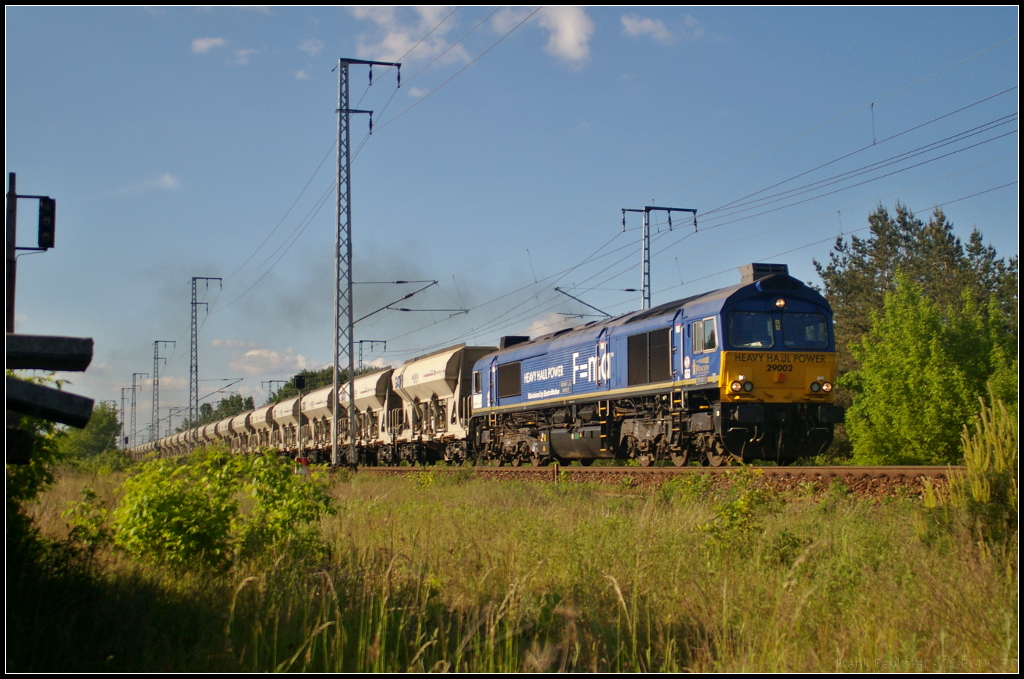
(458, 574)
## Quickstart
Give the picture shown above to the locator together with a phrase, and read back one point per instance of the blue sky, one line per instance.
(186, 142)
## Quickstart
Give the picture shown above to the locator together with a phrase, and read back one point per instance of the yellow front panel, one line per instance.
(778, 376)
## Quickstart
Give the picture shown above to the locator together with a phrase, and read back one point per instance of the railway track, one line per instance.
(867, 481)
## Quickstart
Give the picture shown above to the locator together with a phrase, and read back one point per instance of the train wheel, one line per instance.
(515, 461)
(717, 455)
(586, 462)
(681, 458)
(645, 460)
(497, 461)
(538, 461)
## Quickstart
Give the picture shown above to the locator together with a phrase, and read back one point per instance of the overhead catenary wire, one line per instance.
(867, 181)
(615, 215)
(412, 49)
(453, 76)
(837, 118)
(849, 233)
(706, 213)
(830, 212)
(725, 167)
(886, 162)
(319, 205)
(287, 212)
(535, 296)
(420, 100)
(505, 320)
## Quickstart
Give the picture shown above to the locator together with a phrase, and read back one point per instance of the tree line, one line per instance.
(926, 327)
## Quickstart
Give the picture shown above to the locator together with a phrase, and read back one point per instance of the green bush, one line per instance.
(984, 498)
(737, 516)
(89, 521)
(690, 487)
(922, 369)
(213, 508)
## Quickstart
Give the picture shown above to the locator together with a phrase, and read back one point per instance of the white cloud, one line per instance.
(204, 45)
(637, 27)
(398, 33)
(507, 18)
(173, 383)
(301, 75)
(242, 57)
(312, 47)
(258, 361)
(694, 28)
(570, 29)
(416, 92)
(168, 181)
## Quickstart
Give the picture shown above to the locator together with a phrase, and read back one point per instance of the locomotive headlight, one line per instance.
(780, 303)
(736, 386)
(815, 387)
(827, 387)
(748, 386)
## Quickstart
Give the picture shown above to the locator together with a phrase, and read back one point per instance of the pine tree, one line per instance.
(860, 272)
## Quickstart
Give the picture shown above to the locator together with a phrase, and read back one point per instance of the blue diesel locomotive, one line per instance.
(736, 374)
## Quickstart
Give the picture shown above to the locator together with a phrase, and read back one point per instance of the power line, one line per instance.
(861, 149)
(287, 212)
(837, 118)
(866, 181)
(864, 169)
(863, 228)
(425, 96)
(832, 212)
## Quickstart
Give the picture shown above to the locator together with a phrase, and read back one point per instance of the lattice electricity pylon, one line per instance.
(270, 392)
(343, 321)
(155, 419)
(193, 368)
(371, 343)
(645, 245)
(171, 412)
(135, 385)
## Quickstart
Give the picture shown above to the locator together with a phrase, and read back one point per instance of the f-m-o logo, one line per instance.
(595, 368)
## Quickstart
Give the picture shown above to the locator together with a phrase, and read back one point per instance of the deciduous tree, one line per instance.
(921, 370)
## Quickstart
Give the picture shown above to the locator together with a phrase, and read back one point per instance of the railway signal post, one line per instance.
(47, 226)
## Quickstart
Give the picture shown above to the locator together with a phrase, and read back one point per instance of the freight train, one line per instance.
(733, 375)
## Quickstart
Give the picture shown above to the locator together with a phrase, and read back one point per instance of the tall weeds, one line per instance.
(479, 576)
(983, 500)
